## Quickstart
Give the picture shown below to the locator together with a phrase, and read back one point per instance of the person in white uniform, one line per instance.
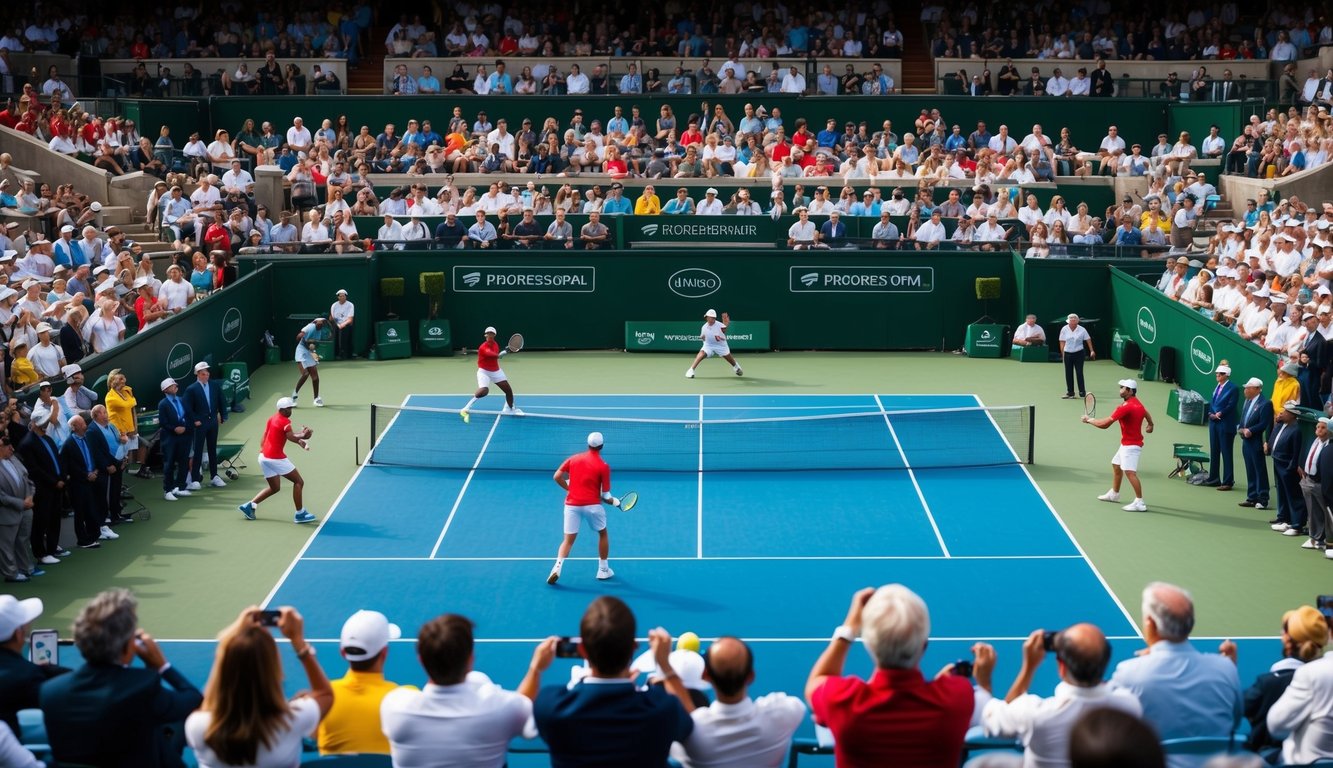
(342, 313)
(714, 335)
(307, 361)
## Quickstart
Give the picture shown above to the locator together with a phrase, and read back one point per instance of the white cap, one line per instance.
(1254, 381)
(489, 329)
(710, 191)
(711, 313)
(140, 282)
(67, 228)
(1323, 291)
(96, 206)
(1129, 384)
(341, 292)
(70, 370)
(103, 268)
(286, 402)
(16, 613)
(43, 327)
(595, 440)
(200, 366)
(1224, 369)
(1292, 405)
(168, 383)
(369, 632)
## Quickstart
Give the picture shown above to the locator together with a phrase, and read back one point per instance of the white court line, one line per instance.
(1100, 578)
(458, 500)
(912, 476)
(727, 558)
(336, 502)
(699, 546)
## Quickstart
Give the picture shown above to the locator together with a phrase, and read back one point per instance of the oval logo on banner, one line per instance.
(231, 325)
(435, 330)
(1201, 355)
(180, 361)
(1147, 325)
(694, 283)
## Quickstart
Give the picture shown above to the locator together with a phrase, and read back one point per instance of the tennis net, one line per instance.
(917, 439)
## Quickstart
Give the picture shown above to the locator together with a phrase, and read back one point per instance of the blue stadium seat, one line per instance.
(806, 747)
(1199, 745)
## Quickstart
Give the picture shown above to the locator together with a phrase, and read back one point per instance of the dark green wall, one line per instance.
(1196, 118)
(183, 116)
(1052, 288)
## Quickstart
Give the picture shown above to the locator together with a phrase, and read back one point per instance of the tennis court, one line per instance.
(759, 516)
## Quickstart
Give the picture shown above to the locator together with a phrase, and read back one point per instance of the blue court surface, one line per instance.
(761, 528)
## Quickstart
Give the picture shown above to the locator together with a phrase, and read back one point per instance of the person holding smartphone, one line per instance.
(21, 679)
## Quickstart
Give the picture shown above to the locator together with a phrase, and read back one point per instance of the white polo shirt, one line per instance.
(753, 732)
(1043, 724)
(46, 358)
(1074, 338)
(468, 725)
(1025, 332)
(341, 311)
(177, 294)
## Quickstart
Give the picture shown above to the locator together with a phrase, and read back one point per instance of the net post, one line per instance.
(1032, 431)
(370, 447)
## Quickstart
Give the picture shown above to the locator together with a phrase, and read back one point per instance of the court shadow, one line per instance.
(1208, 518)
(671, 599)
(349, 529)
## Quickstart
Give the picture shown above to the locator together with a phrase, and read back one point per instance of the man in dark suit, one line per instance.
(206, 412)
(1256, 422)
(81, 476)
(101, 434)
(20, 679)
(605, 719)
(175, 441)
(1222, 431)
(108, 713)
(1288, 471)
(1102, 85)
(42, 458)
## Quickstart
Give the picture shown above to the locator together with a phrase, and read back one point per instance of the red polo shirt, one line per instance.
(896, 718)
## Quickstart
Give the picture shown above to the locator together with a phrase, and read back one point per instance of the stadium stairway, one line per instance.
(918, 66)
(368, 77)
(132, 223)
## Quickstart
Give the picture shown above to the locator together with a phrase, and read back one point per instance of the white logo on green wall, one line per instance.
(1201, 355)
(1147, 324)
(180, 361)
(231, 325)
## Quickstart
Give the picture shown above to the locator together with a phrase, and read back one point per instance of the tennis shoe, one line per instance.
(169, 496)
(1328, 553)
(1293, 532)
(1136, 505)
(183, 492)
(689, 374)
(304, 517)
(106, 533)
(217, 482)
(605, 573)
(555, 574)
(49, 560)
(467, 417)
(1109, 496)
(1310, 544)
(739, 372)
(507, 411)
(248, 509)
(517, 412)
(1280, 527)
(319, 402)
(193, 485)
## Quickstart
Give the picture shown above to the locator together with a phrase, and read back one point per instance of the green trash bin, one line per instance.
(1118, 347)
(393, 340)
(228, 395)
(985, 340)
(434, 338)
(238, 375)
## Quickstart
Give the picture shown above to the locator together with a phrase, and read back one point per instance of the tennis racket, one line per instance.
(1090, 405)
(515, 343)
(629, 500)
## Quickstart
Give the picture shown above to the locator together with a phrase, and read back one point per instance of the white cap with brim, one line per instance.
(1129, 384)
(1291, 406)
(1254, 381)
(16, 613)
(285, 403)
(595, 440)
(1224, 369)
(70, 370)
(1326, 421)
(341, 292)
(43, 327)
(711, 313)
(365, 634)
(489, 329)
(168, 383)
(200, 366)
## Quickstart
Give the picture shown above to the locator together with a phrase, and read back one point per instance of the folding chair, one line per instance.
(1191, 459)
(230, 459)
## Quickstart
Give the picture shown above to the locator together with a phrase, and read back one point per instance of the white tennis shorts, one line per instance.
(1127, 458)
(275, 467)
(485, 378)
(595, 514)
(716, 350)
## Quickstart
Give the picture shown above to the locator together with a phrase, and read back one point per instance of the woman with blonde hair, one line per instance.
(245, 720)
(120, 406)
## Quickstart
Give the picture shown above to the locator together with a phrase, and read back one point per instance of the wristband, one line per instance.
(308, 650)
(844, 633)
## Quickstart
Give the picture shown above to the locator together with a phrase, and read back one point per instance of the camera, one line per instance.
(567, 648)
(962, 668)
(1048, 639)
(269, 618)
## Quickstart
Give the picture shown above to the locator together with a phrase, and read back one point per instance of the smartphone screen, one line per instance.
(567, 648)
(44, 647)
(269, 618)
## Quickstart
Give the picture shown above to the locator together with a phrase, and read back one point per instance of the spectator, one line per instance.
(108, 712)
(352, 725)
(1184, 692)
(243, 719)
(1111, 738)
(738, 730)
(604, 719)
(1300, 715)
(1043, 724)
(20, 679)
(896, 717)
(1304, 635)
(16, 560)
(460, 716)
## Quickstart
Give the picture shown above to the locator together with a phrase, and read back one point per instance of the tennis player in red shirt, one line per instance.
(587, 478)
(1125, 463)
(488, 373)
(275, 464)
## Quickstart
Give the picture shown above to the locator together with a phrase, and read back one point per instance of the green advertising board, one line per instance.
(985, 340)
(674, 230)
(683, 335)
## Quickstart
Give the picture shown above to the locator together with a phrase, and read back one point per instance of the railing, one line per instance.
(951, 84)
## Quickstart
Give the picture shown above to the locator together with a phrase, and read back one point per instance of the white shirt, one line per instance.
(715, 337)
(1080, 86)
(221, 150)
(298, 137)
(930, 232)
(576, 83)
(314, 233)
(205, 198)
(751, 733)
(468, 725)
(1297, 715)
(239, 180)
(1214, 144)
(47, 359)
(104, 332)
(285, 750)
(1113, 144)
(1043, 725)
(1074, 338)
(341, 311)
(177, 294)
(708, 208)
(1057, 86)
(803, 232)
(793, 83)
(988, 233)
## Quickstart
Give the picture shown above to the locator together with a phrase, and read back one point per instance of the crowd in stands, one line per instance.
(111, 711)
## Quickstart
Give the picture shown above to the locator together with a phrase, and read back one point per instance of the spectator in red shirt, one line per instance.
(896, 717)
(691, 135)
(216, 236)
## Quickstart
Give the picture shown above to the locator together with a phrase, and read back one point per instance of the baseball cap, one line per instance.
(200, 366)
(168, 383)
(489, 329)
(1304, 625)
(595, 440)
(1254, 381)
(67, 228)
(1291, 369)
(43, 327)
(368, 632)
(341, 292)
(70, 370)
(15, 613)
(1129, 384)
(1224, 369)
(286, 402)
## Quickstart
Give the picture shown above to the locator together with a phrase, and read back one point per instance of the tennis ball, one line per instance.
(688, 641)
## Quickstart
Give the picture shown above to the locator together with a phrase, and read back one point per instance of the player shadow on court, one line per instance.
(622, 586)
(750, 381)
(346, 529)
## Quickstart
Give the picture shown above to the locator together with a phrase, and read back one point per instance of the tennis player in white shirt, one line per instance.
(714, 336)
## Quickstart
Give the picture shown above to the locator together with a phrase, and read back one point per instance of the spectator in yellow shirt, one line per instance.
(21, 372)
(647, 203)
(353, 724)
(1287, 387)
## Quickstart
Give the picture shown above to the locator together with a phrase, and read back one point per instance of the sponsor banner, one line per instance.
(683, 335)
(823, 278)
(524, 279)
(685, 229)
